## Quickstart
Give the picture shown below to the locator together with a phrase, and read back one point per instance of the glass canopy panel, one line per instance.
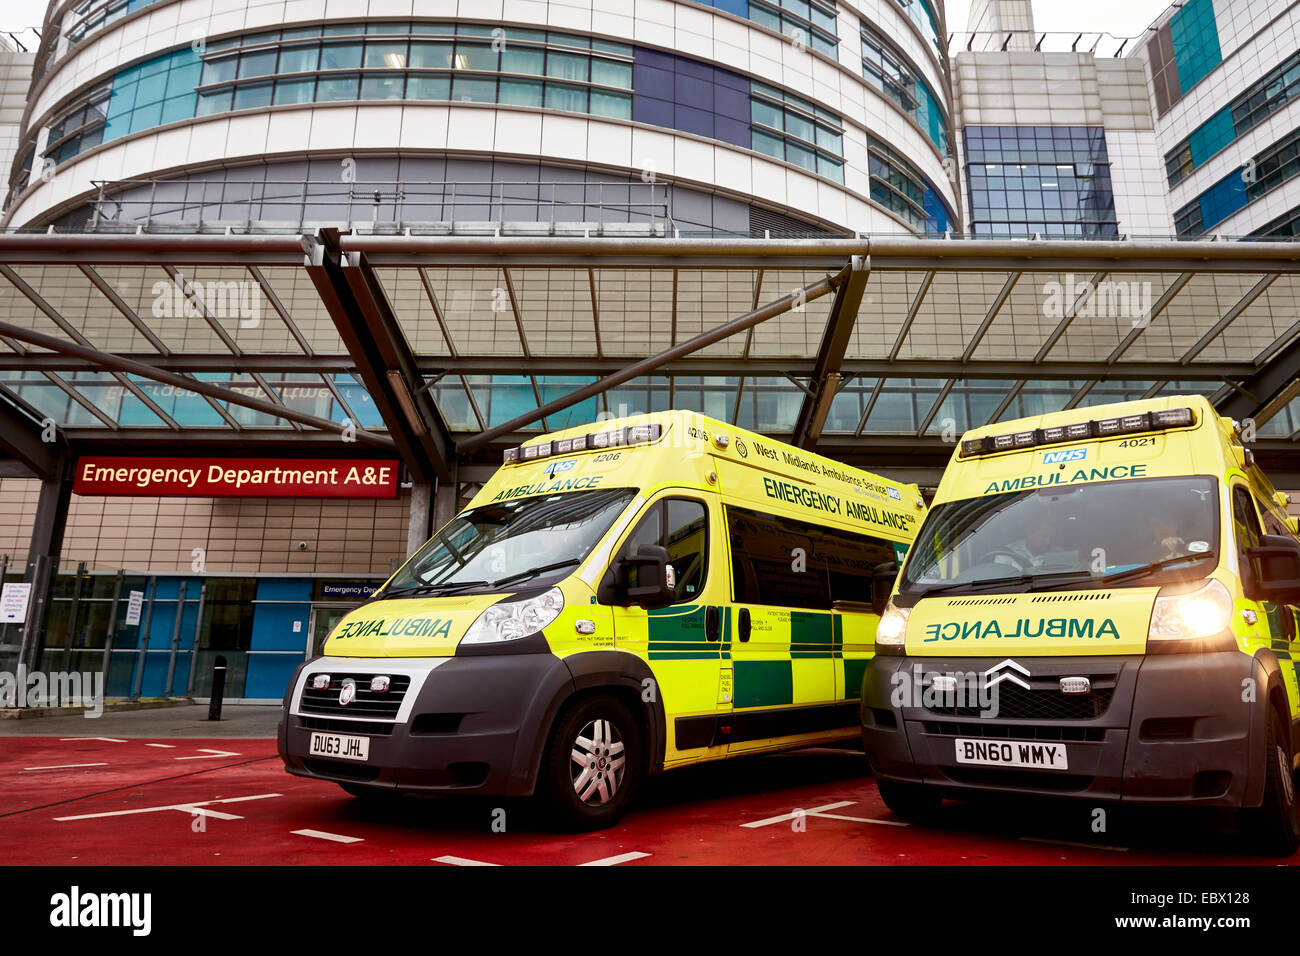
(415, 312)
(245, 386)
(1040, 397)
(70, 293)
(297, 293)
(848, 407)
(791, 334)
(17, 309)
(1106, 393)
(476, 306)
(769, 405)
(112, 398)
(1023, 323)
(188, 408)
(651, 393)
(235, 300)
(635, 308)
(359, 400)
(1259, 325)
(707, 299)
(885, 304)
(903, 404)
(950, 314)
(161, 305)
(1188, 316)
(501, 398)
(555, 307)
(48, 400)
(968, 404)
(453, 402)
(712, 395)
(1121, 302)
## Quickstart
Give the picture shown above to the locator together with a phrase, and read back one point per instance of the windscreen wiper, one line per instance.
(986, 583)
(444, 588)
(1142, 570)
(533, 572)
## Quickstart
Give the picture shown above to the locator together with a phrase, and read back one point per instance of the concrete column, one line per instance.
(417, 530)
(43, 559)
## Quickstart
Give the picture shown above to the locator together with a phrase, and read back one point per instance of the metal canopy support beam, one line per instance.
(43, 557)
(1166, 297)
(1262, 394)
(647, 365)
(20, 438)
(118, 363)
(365, 320)
(911, 315)
(1003, 294)
(830, 354)
(1229, 317)
(1071, 311)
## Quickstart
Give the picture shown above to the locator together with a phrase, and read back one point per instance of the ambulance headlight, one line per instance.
(1204, 612)
(511, 620)
(892, 629)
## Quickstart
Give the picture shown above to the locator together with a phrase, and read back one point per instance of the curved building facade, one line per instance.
(731, 117)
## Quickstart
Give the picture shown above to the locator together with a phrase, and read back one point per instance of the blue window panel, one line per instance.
(699, 122)
(555, 386)
(728, 102)
(189, 409)
(731, 131)
(268, 674)
(1211, 136)
(738, 7)
(652, 80)
(653, 111)
(653, 58)
(359, 400)
(273, 623)
(692, 91)
(1223, 199)
(1196, 42)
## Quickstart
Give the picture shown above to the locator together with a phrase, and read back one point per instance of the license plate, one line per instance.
(342, 746)
(1033, 755)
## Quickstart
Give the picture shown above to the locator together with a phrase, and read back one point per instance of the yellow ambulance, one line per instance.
(619, 599)
(1101, 605)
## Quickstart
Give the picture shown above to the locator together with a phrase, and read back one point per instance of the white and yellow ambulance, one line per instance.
(619, 599)
(1100, 604)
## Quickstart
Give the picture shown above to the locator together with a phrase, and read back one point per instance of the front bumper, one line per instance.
(1173, 729)
(465, 724)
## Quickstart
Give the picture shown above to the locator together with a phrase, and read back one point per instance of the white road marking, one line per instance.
(461, 861)
(209, 754)
(66, 766)
(787, 817)
(111, 740)
(616, 860)
(168, 746)
(883, 823)
(322, 835)
(1086, 846)
(195, 807)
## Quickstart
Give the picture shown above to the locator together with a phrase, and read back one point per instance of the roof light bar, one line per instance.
(1077, 431)
(612, 438)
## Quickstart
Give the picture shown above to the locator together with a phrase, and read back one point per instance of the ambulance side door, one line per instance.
(683, 642)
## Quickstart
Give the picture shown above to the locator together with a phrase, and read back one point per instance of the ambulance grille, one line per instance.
(1063, 598)
(981, 602)
(955, 728)
(1039, 702)
(367, 704)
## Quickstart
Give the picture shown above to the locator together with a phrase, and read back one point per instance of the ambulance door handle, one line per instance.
(744, 626)
(712, 623)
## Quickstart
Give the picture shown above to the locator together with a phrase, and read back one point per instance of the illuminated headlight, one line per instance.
(1202, 613)
(892, 629)
(511, 620)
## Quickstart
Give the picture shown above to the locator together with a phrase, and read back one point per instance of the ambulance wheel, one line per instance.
(909, 799)
(593, 764)
(1273, 827)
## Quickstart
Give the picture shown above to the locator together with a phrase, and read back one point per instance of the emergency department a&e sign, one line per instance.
(227, 477)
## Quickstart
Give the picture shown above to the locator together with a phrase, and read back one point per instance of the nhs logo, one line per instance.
(1065, 454)
(893, 493)
(559, 467)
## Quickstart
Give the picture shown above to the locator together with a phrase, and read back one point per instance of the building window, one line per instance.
(465, 63)
(810, 22)
(92, 15)
(1247, 110)
(922, 16)
(1264, 172)
(1182, 52)
(900, 188)
(791, 129)
(81, 127)
(888, 70)
(1053, 181)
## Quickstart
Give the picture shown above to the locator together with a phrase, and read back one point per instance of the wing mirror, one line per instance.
(1277, 564)
(883, 577)
(647, 577)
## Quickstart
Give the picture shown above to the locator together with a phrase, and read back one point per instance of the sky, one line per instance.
(1120, 17)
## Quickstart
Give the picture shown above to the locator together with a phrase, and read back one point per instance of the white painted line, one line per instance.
(66, 766)
(168, 746)
(616, 860)
(787, 817)
(883, 823)
(322, 835)
(190, 808)
(461, 861)
(1086, 846)
(111, 740)
(209, 754)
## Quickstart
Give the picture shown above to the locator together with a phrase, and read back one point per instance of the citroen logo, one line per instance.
(1000, 672)
(348, 693)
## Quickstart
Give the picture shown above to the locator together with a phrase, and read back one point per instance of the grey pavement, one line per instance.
(238, 721)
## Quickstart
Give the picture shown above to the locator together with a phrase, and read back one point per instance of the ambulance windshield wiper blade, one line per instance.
(1143, 570)
(533, 572)
(1029, 579)
(444, 588)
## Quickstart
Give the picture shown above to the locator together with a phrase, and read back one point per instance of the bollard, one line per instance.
(218, 687)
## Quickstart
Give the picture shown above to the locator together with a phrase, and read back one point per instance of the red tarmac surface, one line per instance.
(184, 802)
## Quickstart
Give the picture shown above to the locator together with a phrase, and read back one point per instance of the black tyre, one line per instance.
(593, 764)
(909, 799)
(1273, 828)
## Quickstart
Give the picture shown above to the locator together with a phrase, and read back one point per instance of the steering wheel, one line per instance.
(1016, 559)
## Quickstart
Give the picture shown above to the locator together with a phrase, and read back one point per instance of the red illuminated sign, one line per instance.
(225, 477)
